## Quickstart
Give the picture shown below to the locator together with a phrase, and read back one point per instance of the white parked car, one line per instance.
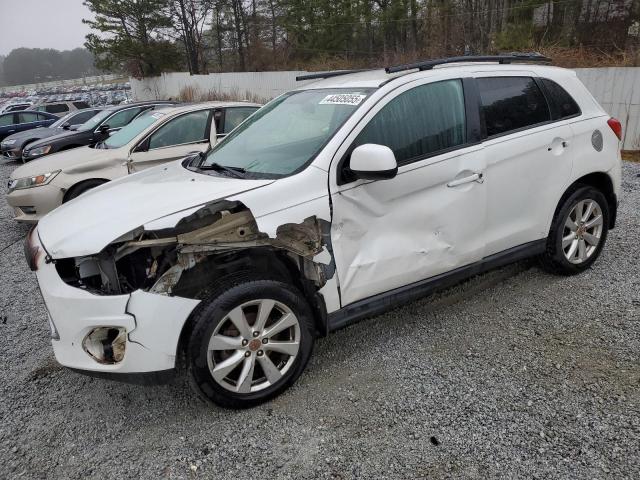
(157, 136)
(331, 203)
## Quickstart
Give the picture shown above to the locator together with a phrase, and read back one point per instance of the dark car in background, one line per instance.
(14, 122)
(95, 130)
(60, 108)
(12, 146)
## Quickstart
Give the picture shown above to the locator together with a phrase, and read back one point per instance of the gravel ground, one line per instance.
(515, 373)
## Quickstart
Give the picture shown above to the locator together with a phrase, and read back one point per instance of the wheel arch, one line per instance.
(269, 263)
(601, 181)
(81, 184)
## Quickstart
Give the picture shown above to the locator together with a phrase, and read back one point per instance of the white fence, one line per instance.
(617, 89)
(263, 85)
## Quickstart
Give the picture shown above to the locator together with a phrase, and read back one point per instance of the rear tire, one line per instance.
(249, 342)
(578, 232)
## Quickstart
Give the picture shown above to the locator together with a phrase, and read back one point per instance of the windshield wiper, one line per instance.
(237, 172)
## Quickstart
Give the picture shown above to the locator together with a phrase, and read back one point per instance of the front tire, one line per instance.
(80, 188)
(249, 343)
(578, 232)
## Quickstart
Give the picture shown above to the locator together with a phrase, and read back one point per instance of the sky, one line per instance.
(42, 24)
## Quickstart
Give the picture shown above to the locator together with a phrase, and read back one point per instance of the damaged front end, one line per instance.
(214, 241)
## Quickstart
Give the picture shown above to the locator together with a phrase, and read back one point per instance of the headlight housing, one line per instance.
(9, 142)
(38, 151)
(29, 182)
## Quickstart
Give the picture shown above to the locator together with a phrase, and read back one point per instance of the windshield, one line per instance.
(132, 130)
(287, 133)
(94, 121)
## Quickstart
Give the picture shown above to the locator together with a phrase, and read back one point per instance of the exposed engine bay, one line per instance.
(216, 240)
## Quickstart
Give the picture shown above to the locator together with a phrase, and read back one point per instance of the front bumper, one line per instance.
(152, 322)
(31, 204)
(11, 153)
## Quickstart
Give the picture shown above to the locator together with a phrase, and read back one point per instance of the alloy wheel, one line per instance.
(254, 346)
(582, 231)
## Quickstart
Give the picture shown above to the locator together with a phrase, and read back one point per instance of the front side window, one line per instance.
(132, 130)
(27, 117)
(286, 134)
(234, 116)
(81, 117)
(81, 105)
(419, 122)
(188, 128)
(94, 121)
(122, 118)
(563, 105)
(511, 103)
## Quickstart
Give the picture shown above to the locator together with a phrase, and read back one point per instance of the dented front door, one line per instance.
(426, 221)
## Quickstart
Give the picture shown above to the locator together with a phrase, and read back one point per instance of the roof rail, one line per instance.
(506, 58)
(333, 73)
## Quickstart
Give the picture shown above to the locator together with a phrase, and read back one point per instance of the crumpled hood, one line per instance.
(34, 134)
(84, 158)
(87, 224)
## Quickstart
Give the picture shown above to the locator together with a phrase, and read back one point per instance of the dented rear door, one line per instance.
(427, 220)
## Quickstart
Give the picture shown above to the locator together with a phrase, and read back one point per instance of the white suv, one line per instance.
(332, 203)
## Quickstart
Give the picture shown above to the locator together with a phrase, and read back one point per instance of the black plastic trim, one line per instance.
(384, 301)
(333, 73)
(473, 110)
(502, 59)
(160, 377)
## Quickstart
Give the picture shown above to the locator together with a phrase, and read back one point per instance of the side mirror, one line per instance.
(373, 162)
(66, 126)
(104, 129)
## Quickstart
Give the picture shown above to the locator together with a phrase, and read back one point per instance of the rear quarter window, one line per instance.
(511, 103)
(561, 103)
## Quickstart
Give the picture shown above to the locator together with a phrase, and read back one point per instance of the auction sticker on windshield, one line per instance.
(343, 99)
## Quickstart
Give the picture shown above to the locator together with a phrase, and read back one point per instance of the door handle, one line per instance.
(476, 177)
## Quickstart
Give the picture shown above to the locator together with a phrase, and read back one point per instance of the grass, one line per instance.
(631, 155)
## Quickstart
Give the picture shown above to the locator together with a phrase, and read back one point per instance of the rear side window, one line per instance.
(81, 105)
(57, 108)
(235, 116)
(511, 103)
(561, 103)
(27, 117)
(419, 122)
(188, 128)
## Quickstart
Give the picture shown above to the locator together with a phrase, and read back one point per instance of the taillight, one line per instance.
(616, 126)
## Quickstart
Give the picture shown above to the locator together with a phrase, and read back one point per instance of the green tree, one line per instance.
(132, 36)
